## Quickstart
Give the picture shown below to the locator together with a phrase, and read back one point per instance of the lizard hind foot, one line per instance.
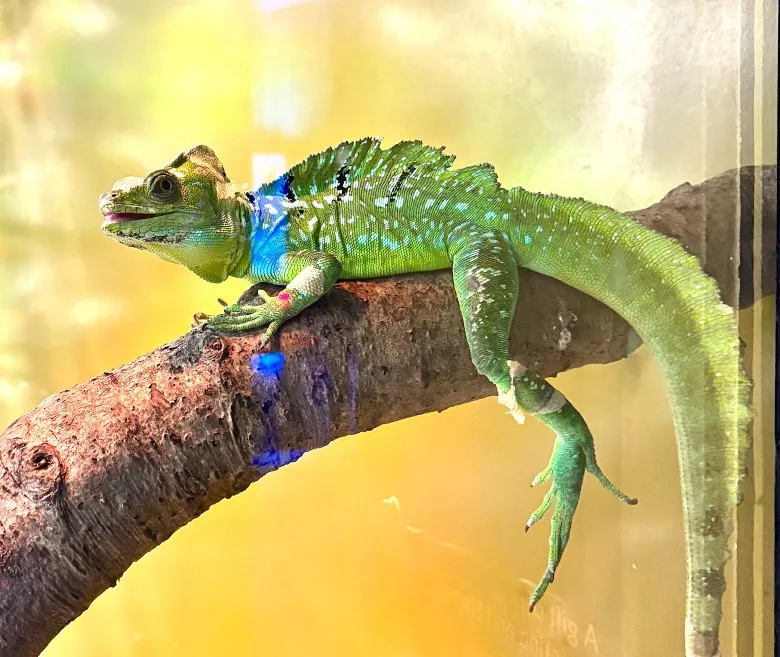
(566, 472)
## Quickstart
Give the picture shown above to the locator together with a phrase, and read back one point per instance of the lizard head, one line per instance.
(187, 212)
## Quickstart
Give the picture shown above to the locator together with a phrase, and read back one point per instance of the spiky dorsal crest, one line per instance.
(332, 171)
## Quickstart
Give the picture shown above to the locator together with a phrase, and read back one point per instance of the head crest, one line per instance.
(202, 156)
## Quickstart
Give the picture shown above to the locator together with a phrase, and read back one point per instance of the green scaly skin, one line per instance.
(357, 211)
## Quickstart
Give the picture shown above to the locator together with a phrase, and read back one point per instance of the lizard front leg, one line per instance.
(486, 282)
(309, 275)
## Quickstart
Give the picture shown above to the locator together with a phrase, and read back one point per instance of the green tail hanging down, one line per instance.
(661, 290)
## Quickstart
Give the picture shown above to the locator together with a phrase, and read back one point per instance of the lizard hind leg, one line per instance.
(486, 283)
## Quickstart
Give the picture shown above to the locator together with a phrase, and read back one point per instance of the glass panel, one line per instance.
(407, 540)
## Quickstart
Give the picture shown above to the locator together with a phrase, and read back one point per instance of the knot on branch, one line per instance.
(199, 344)
(215, 349)
(36, 469)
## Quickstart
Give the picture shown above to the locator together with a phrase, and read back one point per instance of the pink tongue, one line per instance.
(116, 217)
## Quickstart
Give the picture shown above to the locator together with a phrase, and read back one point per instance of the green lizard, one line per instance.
(357, 211)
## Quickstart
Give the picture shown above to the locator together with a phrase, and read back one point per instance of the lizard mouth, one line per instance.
(117, 217)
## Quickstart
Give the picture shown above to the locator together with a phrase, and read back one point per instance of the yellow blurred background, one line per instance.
(407, 541)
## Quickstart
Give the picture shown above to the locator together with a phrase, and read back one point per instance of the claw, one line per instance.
(538, 592)
(269, 333)
(543, 476)
(537, 515)
(199, 321)
(222, 303)
(595, 470)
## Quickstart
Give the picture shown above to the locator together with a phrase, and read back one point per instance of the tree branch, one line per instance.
(96, 476)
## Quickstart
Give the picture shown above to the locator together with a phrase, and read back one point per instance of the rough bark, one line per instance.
(96, 476)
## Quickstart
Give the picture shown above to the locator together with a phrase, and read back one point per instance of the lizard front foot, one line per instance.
(238, 318)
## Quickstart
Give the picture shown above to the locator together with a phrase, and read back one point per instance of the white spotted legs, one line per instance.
(486, 283)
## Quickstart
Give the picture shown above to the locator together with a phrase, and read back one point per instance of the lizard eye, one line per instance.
(164, 187)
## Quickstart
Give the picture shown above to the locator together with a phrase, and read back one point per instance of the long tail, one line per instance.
(661, 290)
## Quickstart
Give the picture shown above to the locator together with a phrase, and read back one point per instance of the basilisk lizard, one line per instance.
(357, 211)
